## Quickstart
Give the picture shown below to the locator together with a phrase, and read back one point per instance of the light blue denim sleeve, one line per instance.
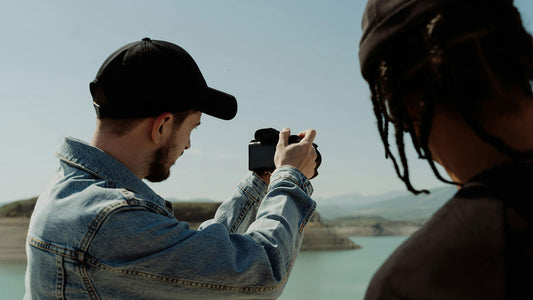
(239, 211)
(280, 218)
(160, 256)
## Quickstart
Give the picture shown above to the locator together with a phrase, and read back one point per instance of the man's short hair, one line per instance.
(120, 127)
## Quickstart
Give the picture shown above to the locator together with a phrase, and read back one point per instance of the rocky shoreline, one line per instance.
(403, 230)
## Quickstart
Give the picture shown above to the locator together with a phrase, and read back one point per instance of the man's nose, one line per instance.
(188, 145)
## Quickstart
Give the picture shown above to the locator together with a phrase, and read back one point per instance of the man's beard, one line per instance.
(158, 169)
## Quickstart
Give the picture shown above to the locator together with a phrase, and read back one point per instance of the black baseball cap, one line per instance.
(150, 77)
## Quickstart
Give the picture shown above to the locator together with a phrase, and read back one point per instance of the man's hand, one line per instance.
(301, 155)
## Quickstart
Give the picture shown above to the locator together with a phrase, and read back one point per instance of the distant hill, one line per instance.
(202, 200)
(21, 208)
(375, 226)
(189, 211)
(357, 199)
(392, 206)
(195, 211)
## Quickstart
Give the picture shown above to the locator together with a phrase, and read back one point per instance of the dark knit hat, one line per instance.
(384, 20)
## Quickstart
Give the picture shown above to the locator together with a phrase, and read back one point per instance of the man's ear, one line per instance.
(161, 128)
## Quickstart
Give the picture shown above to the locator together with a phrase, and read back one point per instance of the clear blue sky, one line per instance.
(289, 63)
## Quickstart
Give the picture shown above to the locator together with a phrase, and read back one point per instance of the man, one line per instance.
(456, 76)
(99, 232)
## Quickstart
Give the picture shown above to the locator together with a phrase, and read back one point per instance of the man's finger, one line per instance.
(284, 137)
(308, 135)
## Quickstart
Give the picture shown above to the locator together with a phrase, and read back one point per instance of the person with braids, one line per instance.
(453, 77)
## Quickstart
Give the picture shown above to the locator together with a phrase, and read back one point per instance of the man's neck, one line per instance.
(128, 149)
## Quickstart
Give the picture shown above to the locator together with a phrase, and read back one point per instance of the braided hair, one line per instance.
(456, 60)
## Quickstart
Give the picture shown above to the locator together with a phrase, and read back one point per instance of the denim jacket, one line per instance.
(99, 232)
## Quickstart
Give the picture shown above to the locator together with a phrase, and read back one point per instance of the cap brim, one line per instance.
(217, 104)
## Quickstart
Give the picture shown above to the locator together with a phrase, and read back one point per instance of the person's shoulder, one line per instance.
(461, 241)
(460, 228)
(474, 204)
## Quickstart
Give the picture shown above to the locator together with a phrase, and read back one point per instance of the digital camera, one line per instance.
(262, 148)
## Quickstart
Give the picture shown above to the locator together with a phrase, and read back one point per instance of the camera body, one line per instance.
(261, 150)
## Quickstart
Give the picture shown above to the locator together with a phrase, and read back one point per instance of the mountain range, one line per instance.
(392, 205)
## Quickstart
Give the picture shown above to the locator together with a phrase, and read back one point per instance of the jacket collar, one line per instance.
(83, 156)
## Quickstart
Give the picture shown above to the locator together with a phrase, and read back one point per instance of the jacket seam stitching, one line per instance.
(130, 198)
(52, 248)
(252, 197)
(93, 262)
(241, 217)
(80, 166)
(77, 254)
(293, 179)
(184, 282)
(96, 223)
(89, 287)
(60, 279)
(307, 217)
(300, 236)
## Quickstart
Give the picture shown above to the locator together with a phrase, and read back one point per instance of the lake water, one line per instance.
(12, 281)
(338, 274)
(316, 275)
